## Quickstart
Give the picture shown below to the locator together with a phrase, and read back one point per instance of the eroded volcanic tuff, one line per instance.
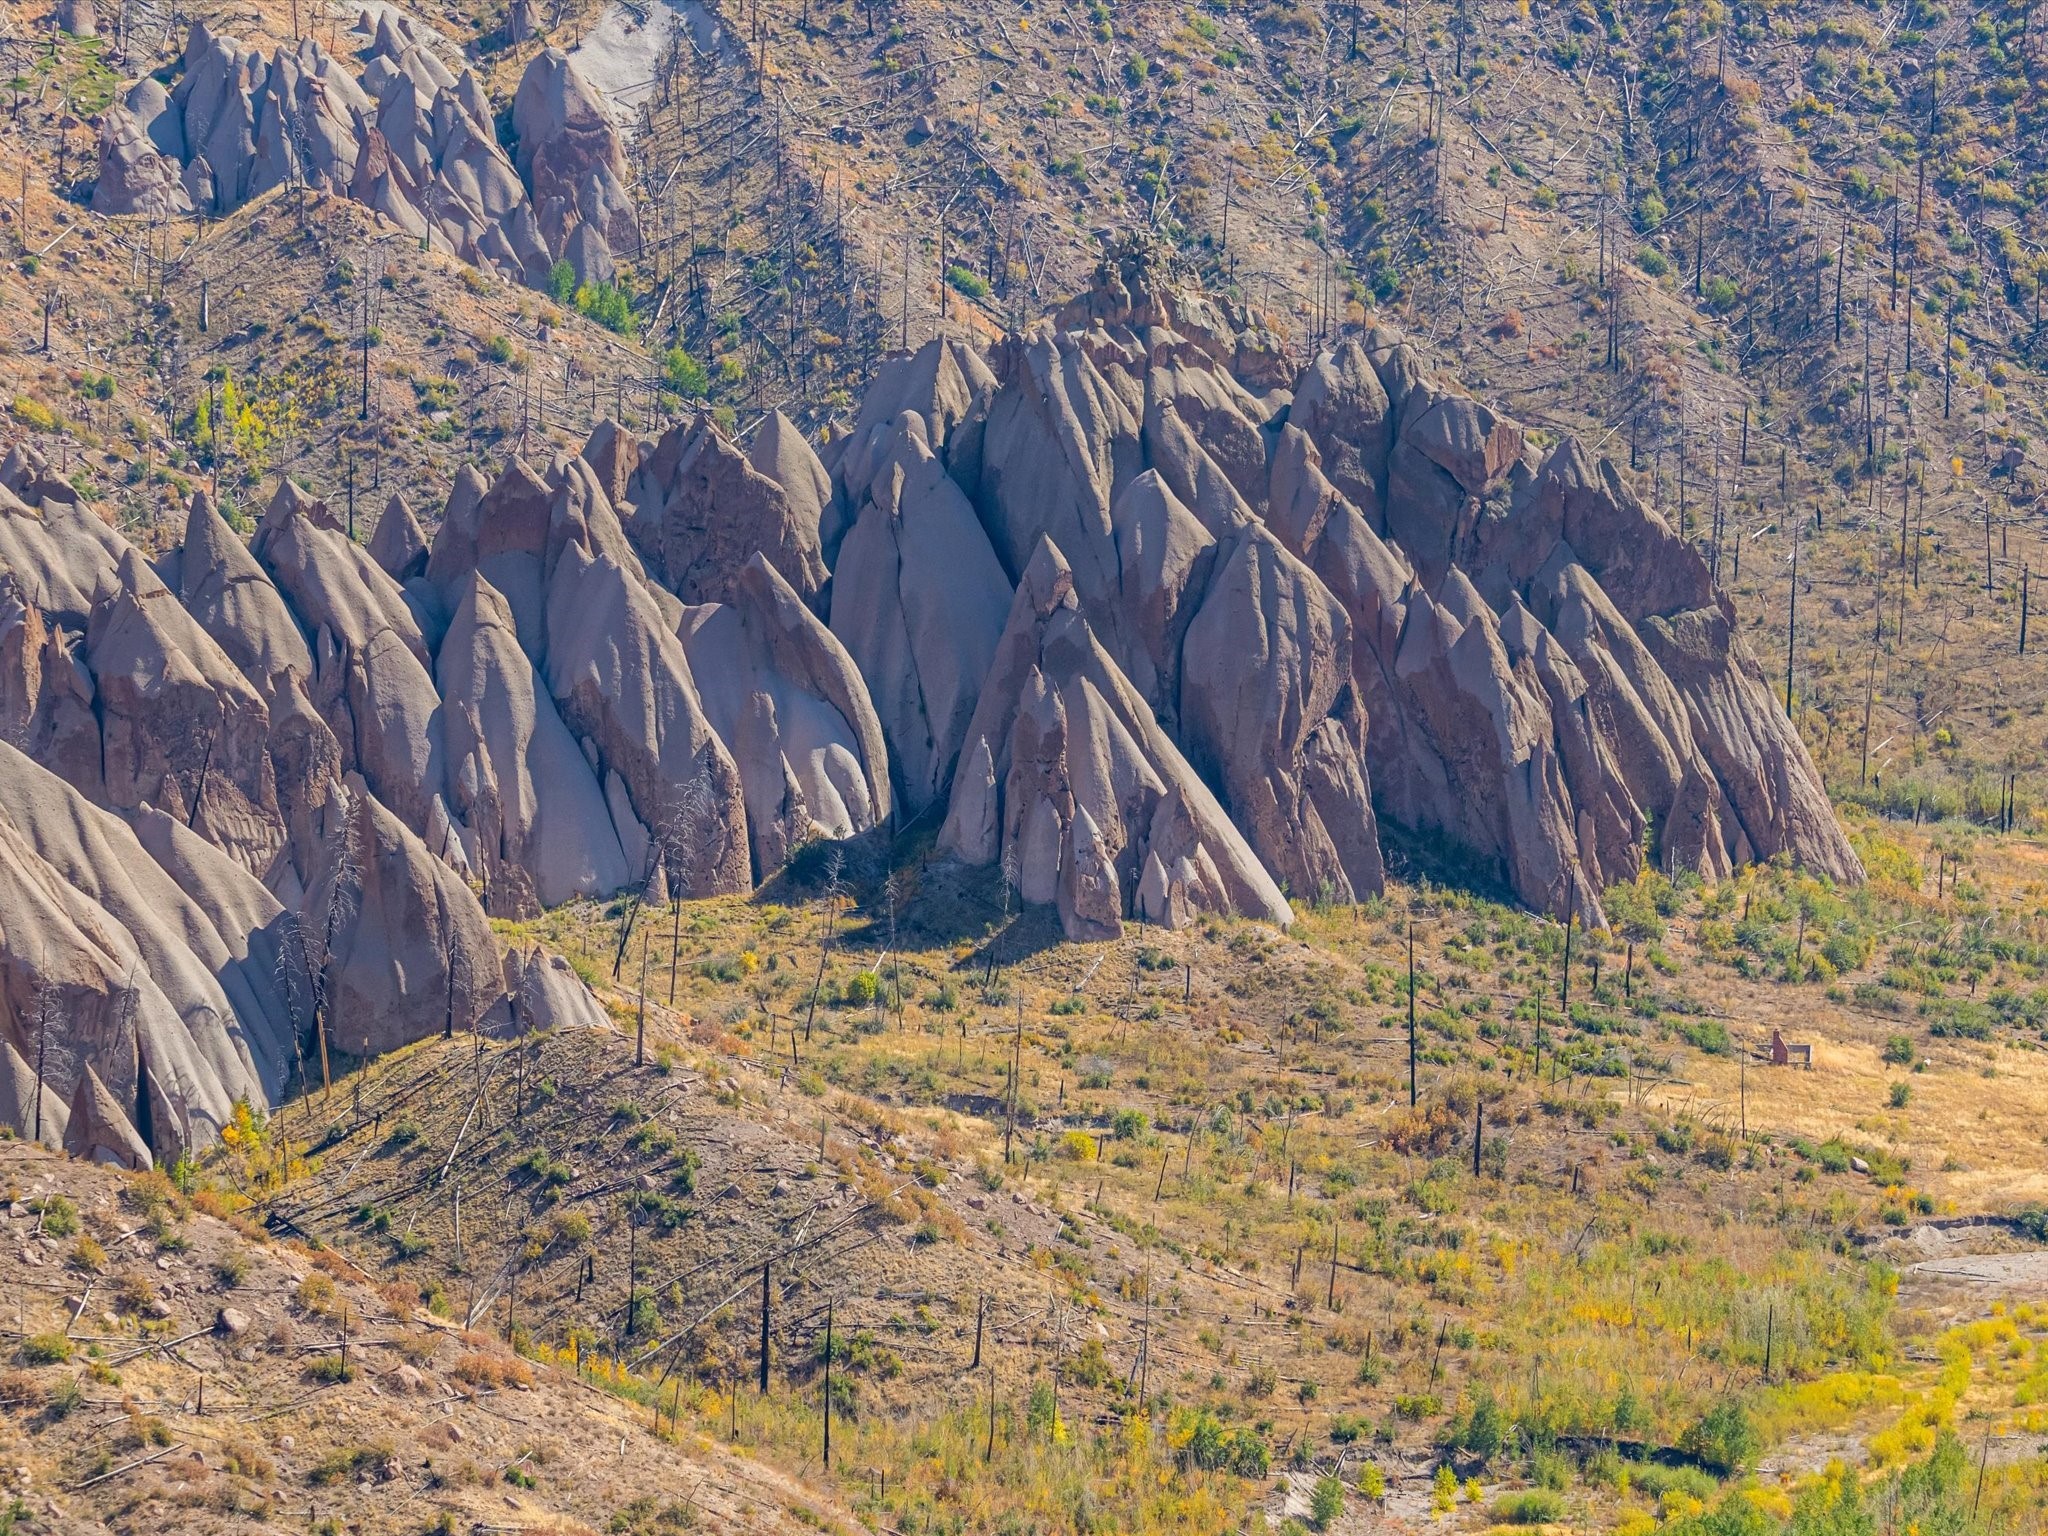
(1144, 610)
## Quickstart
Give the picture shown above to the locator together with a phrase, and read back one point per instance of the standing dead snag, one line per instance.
(683, 837)
(343, 891)
(834, 866)
(828, 1384)
(766, 1266)
(1411, 1014)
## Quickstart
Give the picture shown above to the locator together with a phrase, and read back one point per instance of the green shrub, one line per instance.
(607, 304)
(1531, 1506)
(330, 1368)
(965, 280)
(1652, 261)
(33, 413)
(684, 374)
(1326, 1502)
(45, 1349)
(60, 1216)
(1724, 1438)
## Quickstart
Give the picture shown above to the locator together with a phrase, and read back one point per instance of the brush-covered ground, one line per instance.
(1136, 1236)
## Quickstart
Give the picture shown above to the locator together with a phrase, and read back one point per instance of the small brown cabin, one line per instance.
(1786, 1054)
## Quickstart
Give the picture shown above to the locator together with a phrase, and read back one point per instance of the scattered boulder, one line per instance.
(547, 995)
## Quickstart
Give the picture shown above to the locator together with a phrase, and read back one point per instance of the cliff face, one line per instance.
(1136, 608)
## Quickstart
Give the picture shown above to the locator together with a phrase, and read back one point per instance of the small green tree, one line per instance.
(1326, 1502)
(562, 282)
(684, 374)
(1724, 1438)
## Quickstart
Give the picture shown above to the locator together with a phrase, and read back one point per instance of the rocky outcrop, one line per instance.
(399, 544)
(546, 994)
(711, 510)
(142, 155)
(398, 944)
(523, 789)
(397, 130)
(571, 157)
(114, 962)
(1155, 620)
(918, 600)
(786, 698)
(1353, 586)
(1070, 783)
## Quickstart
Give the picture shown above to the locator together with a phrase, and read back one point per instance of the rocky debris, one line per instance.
(571, 157)
(1070, 782)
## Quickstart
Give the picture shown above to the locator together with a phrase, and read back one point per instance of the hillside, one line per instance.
(1034, 769)
(1139, 1231)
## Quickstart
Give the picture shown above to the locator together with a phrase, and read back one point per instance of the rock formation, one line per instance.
(1069, 780)
(1134, 609)
(397, 130)
(572, 159)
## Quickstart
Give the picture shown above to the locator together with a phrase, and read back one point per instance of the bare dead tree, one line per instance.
(685, 836)
(835, 865)
(343, 892)
(675, 846)
(43, 995)
(294, 972)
